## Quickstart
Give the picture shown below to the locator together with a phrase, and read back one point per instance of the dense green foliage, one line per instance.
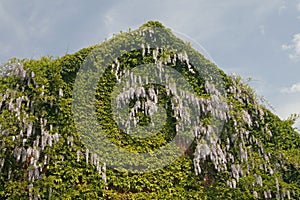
(43, 157)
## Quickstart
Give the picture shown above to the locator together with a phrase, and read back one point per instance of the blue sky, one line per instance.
(256, 38)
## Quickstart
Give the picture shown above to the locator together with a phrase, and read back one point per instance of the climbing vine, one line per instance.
(42, 156)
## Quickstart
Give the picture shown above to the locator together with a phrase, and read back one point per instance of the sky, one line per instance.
(256, 38)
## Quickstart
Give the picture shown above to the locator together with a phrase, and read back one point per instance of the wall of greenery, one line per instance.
(43, 157)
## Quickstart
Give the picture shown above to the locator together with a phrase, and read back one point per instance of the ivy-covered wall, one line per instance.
(42, 155)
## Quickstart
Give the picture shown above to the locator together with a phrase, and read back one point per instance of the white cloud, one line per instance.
(293, 89)
(284, 110)
(286, 46)
(298, 6)
(288, 104)
(294, 46)
(282, 7)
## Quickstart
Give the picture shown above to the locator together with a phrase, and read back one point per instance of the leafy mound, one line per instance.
(255, 154)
